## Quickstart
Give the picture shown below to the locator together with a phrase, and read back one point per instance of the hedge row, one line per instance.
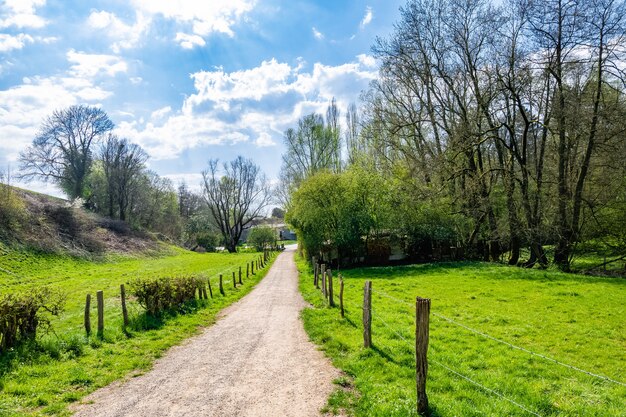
(22, 314)
(161, 294)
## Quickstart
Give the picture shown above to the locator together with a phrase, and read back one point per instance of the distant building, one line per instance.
(282, 231)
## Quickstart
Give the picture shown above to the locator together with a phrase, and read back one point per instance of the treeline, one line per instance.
(490, 129)
(77, 150)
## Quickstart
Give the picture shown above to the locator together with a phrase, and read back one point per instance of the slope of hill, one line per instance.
(39, 222)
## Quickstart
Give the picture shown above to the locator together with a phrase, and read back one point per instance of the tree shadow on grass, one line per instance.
(488, 271)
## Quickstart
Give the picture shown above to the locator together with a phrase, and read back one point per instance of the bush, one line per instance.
(208, 241)
(22, 314)
(162, 294)
(262, 237)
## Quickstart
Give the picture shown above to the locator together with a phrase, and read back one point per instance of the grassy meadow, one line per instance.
(577, 320)
(64, 364)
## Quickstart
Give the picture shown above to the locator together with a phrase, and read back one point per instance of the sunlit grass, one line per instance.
(64, 366)
(578, 320)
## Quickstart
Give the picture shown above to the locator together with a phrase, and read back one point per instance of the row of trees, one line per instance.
(510, 118)
(77, 150)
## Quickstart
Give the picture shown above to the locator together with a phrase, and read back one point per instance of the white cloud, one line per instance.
(187, 41)
(367, 60)
(367, 19)
(254, 105)
(192, 180)
(24, 106)
(10, 42)
(21, 14)
(264, 139)
(215, 16)
(160, 113)
(92, 65)
(218, 86)
(126, 36)
(317, 34)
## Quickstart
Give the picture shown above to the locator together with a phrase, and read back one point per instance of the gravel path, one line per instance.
(255, 361)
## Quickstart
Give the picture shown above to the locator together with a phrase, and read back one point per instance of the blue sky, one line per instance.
(188, 80)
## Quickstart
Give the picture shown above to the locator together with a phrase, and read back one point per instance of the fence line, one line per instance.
(495, 339)
(489, 390)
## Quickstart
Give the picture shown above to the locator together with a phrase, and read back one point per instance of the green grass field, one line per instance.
(65, 365)
(577, 320)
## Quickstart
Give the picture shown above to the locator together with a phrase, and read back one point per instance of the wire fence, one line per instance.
(410, 343)
(512, 346)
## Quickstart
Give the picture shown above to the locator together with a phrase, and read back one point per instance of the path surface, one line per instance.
(255, 361)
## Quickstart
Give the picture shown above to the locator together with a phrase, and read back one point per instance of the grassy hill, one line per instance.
(41, 223)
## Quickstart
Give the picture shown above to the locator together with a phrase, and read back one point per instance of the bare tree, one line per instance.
(123, 163)
(235, 198)
(62, 151)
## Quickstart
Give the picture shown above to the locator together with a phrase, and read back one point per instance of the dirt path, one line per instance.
(256, 361)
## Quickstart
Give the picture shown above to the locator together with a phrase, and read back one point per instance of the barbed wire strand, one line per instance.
(495, 339)
(489, 390)
(530, 352)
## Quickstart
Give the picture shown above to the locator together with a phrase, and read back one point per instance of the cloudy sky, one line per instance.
(188, 80)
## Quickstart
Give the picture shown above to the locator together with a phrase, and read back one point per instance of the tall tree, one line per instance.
(62, 152)
(314, 145)
(123, 162)
(235, 198)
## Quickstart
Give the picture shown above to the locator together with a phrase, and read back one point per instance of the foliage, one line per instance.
(313, 146)
(22, 314)
(547, 312)
(262, 237)
(278, 213)
(209, 240)
(163, 294)
(360, 214)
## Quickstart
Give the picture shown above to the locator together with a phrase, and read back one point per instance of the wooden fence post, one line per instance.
(331, 302)
(323, 278)
(100, 301)
(240, 281)
(367, 314)
(422, 313)
(221, 286)
(87, 314)
(341, 295)
(210, 289)
(234, 280)
(204, 294)
(124, 310)
(314, 262)
(247, 270)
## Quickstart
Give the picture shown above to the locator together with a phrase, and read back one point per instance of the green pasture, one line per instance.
(576, 320)
(64, 364)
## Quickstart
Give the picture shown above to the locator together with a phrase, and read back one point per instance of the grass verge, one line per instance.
(60, 368)
(575, 319)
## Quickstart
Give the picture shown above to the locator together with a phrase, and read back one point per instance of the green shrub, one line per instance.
(208, 241)
(162, 294)
(21, 314)
(262, 237)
